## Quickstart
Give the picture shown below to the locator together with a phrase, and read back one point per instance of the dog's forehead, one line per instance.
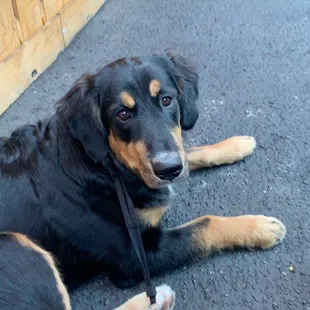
(130, 81)
(136, 73)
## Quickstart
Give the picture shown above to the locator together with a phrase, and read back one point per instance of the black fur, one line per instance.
(187, 79)
(55, 182)
(27, 280)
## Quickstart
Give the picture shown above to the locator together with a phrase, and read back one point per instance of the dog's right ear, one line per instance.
(81, 109)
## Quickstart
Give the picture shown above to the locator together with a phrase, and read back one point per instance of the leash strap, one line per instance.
(135, 235)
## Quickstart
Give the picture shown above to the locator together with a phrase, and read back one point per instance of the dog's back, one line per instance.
(29, 278)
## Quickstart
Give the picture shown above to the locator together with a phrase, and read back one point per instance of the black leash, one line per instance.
(135, 234)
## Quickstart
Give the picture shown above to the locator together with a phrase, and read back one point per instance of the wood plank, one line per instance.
(90, 8)
(51, 8)
(72, 20)
(8, 29)
(29, 17)
(75, 15)
(29, 61)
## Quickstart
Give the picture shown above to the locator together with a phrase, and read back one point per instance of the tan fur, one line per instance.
(224, 152)
(177, 136)
(165, 300)
(151, 216)
(134, 156)
(248, 231)
(138, 302)
(128, 100)
(154, 88)
(24, 241)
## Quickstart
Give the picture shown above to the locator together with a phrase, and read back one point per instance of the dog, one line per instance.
(58, 198)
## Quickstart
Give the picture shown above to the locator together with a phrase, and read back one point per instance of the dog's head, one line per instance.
(136, 108)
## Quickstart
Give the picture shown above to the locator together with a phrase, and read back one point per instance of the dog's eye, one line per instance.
(166, 101)
(123, 115)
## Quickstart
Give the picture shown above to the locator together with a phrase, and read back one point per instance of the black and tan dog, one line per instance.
(56, 188)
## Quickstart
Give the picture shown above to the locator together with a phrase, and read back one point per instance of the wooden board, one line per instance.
(75, 15)
(29, 17)
(29, 61)
(51, 8)
(8, 29)
(90, 8)
(71, 19)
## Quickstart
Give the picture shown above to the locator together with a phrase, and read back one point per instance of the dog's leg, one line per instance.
(224, 152)
(172, 248)
(165, 299)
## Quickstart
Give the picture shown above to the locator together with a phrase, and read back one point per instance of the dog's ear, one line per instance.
(81, 109)
(187, 83)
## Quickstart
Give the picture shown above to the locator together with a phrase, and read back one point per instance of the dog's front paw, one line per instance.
(263, 232)
(238, 147)
(165, 300)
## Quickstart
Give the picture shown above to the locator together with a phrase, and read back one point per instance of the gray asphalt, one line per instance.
(254, 60)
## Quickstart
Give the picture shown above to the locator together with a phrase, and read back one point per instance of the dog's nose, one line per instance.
(167, 166)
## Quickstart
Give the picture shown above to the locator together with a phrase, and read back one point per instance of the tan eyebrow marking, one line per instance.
(154, 88)
(128, 100)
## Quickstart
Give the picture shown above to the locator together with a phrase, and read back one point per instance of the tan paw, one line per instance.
(165, 300)
(264, 232)
(236, 148)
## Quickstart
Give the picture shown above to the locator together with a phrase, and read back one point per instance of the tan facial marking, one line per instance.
(24, 241)
(128, 100)
(134, 155)
(152, 216)
(177, 136)
(154, 88)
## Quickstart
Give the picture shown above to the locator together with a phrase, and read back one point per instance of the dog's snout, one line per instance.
(167, 166)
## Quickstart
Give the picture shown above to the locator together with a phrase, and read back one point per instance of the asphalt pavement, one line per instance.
(254, 62)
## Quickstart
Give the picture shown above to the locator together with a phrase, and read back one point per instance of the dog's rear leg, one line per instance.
(224, 152)
(172, 248)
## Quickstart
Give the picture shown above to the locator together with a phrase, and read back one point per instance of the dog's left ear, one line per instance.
(187, 83)
(81, 109)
